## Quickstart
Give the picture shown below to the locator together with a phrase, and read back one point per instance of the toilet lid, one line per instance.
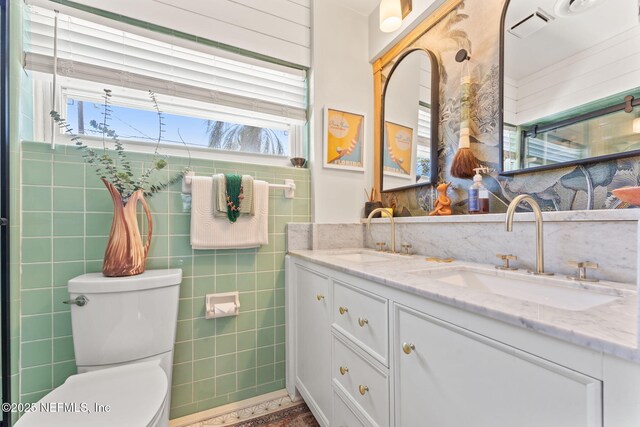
(134, 395)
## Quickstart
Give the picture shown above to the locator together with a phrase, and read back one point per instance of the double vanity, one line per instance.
(381, 339)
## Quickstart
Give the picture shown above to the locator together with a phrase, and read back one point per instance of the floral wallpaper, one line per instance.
(475, 25)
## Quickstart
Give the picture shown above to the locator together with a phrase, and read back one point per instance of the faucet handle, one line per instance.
(582, 267)
(406, 247)
(505, 261)
(380, 246)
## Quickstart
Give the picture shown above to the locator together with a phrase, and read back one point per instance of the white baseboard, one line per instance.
(238, 411)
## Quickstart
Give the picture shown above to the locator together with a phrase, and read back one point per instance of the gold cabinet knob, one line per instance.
(343, 370)
(343, 310)
(363, 389)
(362, 321)
(320, 297)
(408, 347)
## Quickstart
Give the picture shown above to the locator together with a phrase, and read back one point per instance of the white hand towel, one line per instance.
(209, 232)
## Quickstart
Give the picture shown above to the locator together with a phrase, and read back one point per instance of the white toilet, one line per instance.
(123, 334)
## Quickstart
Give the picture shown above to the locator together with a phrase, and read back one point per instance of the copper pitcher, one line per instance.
(125, 254)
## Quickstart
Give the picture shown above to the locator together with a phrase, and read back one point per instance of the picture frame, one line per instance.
(344, 146)
(403, 154)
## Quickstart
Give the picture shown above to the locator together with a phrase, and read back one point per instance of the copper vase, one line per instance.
(125, 254)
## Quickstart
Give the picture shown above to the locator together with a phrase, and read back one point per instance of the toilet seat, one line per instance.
(136, 394)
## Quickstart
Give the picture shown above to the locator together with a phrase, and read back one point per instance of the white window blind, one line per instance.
(94, 52)
(424, 124)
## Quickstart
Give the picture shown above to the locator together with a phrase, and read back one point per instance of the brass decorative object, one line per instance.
(439, 260)
(125, 254)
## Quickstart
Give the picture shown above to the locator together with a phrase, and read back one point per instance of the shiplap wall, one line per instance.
(610, 67)
(276, 28)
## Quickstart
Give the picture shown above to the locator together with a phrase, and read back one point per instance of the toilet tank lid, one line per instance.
(96, 283)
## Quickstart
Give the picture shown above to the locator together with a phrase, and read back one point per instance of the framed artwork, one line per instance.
(343, 140)
(398, 150)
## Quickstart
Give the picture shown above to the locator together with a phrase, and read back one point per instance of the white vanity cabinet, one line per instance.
(312, 339)
(417, 362)
(446, 376)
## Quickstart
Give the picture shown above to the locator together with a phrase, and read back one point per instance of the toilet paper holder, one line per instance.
(222, 305)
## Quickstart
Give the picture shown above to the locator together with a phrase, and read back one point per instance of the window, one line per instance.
(423, 168)
(510, 146)
(137, 124)
(212, 100)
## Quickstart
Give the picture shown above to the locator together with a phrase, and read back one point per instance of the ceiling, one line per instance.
(363, 7)
(563, 36)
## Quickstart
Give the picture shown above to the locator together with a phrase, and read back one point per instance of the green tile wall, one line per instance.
(65, 222)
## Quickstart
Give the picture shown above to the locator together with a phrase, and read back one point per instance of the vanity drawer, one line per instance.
(366, 385)
(343, 416)
(363, 317)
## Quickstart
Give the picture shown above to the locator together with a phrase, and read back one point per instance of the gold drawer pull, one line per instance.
(363, 389)
(343, 370)
(408, 348)
(362, 321)
(319, 297)
(343, 310)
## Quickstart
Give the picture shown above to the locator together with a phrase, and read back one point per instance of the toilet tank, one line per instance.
(125, 318)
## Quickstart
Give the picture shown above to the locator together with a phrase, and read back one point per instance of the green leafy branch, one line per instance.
(118, 171)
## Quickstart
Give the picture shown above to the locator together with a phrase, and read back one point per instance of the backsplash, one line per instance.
(608, 238)
(475, 25)
(66, 217)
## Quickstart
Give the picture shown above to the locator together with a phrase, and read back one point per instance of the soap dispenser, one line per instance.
(478, 194)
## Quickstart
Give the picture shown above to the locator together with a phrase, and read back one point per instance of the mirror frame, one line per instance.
(502, 172)
(386, 58)
(435, 118)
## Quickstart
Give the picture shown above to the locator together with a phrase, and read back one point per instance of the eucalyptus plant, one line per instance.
(116, 168)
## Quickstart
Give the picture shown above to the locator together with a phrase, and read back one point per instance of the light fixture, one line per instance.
(392, 12)
(566, 8)
(636, 125)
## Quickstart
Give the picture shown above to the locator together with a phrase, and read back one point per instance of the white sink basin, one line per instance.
(540, 290)
(362, 256)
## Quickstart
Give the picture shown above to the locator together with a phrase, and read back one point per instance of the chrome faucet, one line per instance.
(393, 225)
(539, 235)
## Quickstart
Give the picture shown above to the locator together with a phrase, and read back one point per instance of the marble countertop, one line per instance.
(611, 327)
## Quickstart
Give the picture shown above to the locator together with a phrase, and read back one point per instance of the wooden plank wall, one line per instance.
(610, 67)
(277, 28)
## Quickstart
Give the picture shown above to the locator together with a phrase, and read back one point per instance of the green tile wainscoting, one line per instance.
(66, 217)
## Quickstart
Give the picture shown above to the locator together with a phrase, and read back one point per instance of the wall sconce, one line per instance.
(392, 12)
(636, 125)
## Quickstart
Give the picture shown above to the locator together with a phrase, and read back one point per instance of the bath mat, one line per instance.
(295, 416)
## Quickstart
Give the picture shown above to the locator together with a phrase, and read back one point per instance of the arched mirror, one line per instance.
(410, 111)
(570, 83)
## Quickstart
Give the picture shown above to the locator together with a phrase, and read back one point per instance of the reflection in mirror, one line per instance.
(410, 122)
(571, 86)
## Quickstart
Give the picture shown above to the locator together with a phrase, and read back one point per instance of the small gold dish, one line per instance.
(440, 260)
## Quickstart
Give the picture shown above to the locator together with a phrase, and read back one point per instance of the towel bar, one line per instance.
(289, 186)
